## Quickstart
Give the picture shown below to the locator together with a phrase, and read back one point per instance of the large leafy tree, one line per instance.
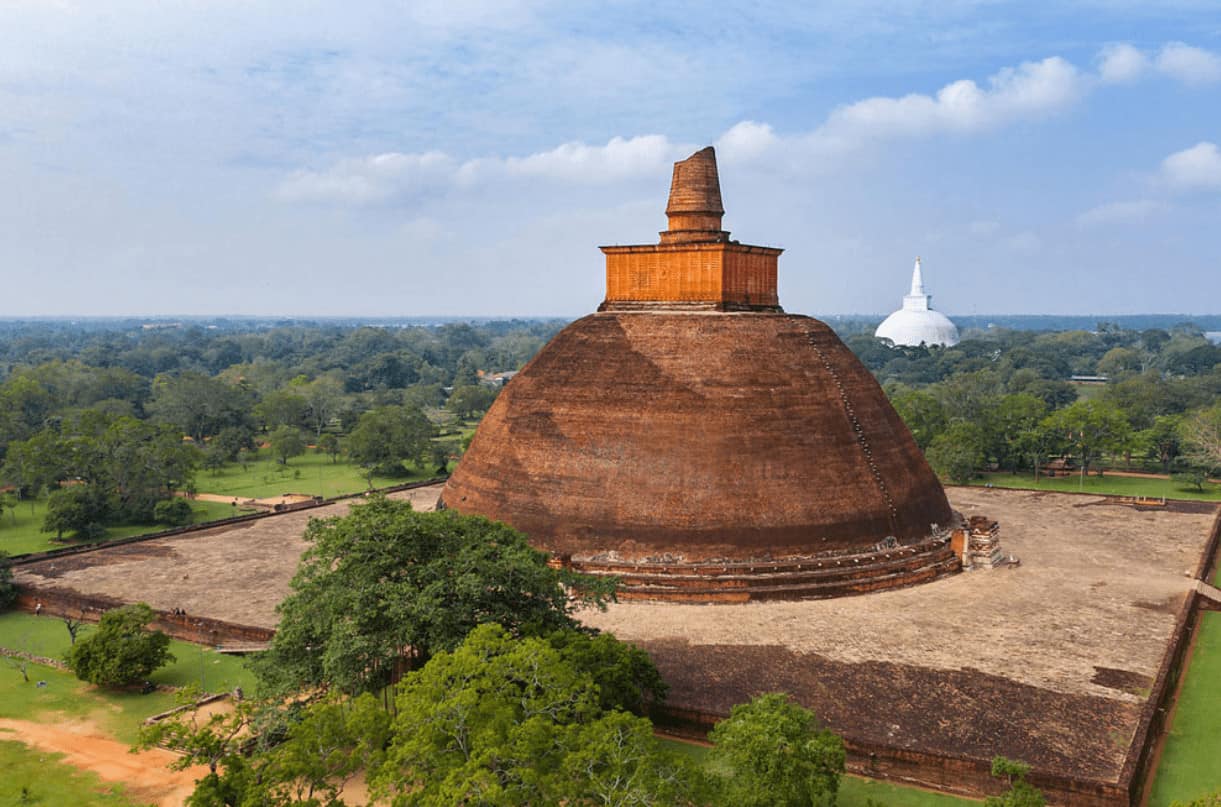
(1009, 425)
(470, 399)
(958, 452)
(921, 410)
(774, 754)
(385, 438)
(284, 407)
(1163, 440)
(500, 721)
(626, 677)
(199, 405)
(386, 584)
(121, 651)
(286, 442)
(323, 397)
(1202, 434)
(1088, 429)
(497, 721)
(81, 510)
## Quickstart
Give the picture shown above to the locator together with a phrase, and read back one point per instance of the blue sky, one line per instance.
(390, 158)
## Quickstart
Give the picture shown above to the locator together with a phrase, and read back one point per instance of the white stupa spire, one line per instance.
(917, 280)
(917, 299)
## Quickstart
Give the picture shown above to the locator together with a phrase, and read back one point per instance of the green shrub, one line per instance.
(120, 652)
(176, 512)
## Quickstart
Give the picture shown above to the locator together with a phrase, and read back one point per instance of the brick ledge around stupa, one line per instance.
(889, 565)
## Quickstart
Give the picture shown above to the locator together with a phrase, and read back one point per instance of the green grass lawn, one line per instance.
(1113, 485)
(311, 473)
(119, 713)
(38, 778)
(21, 528)
(854, 791)
(1191, 759)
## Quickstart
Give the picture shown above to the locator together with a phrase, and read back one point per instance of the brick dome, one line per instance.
(707, 449)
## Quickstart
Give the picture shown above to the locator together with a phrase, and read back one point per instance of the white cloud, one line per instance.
(1192, 65)
(1029, 90)
(1121, 62)
(745, 141)
(1120, 212)
(984, 227)
(366, 180)
(619, 159)
(369, 180)
(1196, 167)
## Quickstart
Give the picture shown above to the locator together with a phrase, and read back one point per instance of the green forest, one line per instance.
(113, 429)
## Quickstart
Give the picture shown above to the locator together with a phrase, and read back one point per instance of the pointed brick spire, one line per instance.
(695, 207)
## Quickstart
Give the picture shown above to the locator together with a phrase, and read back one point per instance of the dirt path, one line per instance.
(145, 774)
(243, 501)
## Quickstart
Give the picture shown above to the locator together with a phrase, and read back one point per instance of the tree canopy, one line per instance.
(499, 721)
(495, 721)
(121, 651)
(387, 583)
(774, 754)
(387, 437)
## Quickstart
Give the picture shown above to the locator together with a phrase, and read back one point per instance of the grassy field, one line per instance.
(1110, 484)
(1191, 759)
(311, 473)
(20, 528)
(854, 791)
(37, 778)
(118, 713)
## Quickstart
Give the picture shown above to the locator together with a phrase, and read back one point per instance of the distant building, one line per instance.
(915, 323)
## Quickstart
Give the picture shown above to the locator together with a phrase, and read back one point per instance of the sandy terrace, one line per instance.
(237, 573)
(1048, 662)
(1097, 587)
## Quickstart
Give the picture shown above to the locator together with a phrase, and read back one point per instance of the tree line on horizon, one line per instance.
(91, 419)
(107, 426)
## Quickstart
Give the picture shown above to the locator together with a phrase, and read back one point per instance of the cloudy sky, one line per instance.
(468, 157)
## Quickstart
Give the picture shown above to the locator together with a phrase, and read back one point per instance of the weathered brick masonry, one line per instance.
(700, 443)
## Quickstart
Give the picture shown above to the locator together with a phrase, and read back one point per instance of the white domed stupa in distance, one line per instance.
(915, 323)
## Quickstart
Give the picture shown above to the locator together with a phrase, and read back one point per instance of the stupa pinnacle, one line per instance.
(702, 445)
(695, 266)
(695, 207)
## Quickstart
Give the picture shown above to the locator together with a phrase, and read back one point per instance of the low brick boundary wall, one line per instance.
(188, 628)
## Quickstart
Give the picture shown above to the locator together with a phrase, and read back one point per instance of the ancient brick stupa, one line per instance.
(702, 444)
